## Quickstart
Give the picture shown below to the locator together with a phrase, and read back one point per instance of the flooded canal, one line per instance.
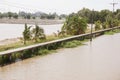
(99, 60)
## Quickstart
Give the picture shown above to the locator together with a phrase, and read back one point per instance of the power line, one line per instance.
(20, 6)
(113, 4)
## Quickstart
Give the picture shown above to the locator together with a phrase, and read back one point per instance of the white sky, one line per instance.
(59, 6)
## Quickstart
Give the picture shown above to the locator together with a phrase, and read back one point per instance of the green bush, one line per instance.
(72, 44)
(44, 52)
(112, 32)
(109, 33)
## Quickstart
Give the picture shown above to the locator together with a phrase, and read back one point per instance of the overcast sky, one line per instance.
(59, 6)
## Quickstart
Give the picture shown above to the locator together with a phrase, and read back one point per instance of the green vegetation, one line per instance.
(26, 33)
(97, 25)
(38, 15)
(104, 25)
(44, 50)
(103, 15)
(74, 25)
(112, 32)
(38, 33)
(109, 33)
(85, 13)
(72, 44)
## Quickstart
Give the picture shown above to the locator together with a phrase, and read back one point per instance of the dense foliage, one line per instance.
(104, 18)
(24, 15)
(36, 33)
(97, 25)
(26, 34)
(103, 15)
(74, 25)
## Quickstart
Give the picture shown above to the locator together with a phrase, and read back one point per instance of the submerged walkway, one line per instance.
(99, 60)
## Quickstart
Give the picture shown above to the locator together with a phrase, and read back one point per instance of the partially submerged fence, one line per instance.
(7, 56)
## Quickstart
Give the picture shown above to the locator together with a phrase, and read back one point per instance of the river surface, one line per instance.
(15, 30)
(99, 60)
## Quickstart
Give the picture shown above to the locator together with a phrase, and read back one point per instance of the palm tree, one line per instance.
(26, 33)
(97, 25)
(105, 25)
(38, 33)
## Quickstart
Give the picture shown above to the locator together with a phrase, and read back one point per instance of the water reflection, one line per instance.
(98, 60)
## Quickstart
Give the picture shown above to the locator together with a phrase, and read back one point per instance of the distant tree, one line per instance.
(22, 14)
(28, 16)
(43, 16)
(1, 16)
(104, 14)
(74, 25)
(33, 17)
(62, 16)
(26, 33)
(117, 11)
(52, 16)
(10, 14)
(15, 16)
(85, 13)
(118, 16)
(96, 16)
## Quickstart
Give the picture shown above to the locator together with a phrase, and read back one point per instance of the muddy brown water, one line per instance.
(99, 60)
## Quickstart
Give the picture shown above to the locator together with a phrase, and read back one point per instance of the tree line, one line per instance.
(35, 15)
(103, 15)
(76, 24)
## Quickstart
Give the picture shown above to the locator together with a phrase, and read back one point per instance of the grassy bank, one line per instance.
(21, 44)
(40, 51)
(43, 50)
(112, 32)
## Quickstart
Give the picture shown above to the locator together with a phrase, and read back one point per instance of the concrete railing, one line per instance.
(54, 41)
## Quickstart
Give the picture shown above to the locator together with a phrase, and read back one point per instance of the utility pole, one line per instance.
(92, 17)
(113, 4)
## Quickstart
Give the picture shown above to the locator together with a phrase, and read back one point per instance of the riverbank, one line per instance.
(98, 60)
(18, 42)
(31, 21)
(9, 41)
(40, 48)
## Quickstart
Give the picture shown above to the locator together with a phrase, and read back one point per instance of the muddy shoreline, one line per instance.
(31, 21)
(9, 41)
